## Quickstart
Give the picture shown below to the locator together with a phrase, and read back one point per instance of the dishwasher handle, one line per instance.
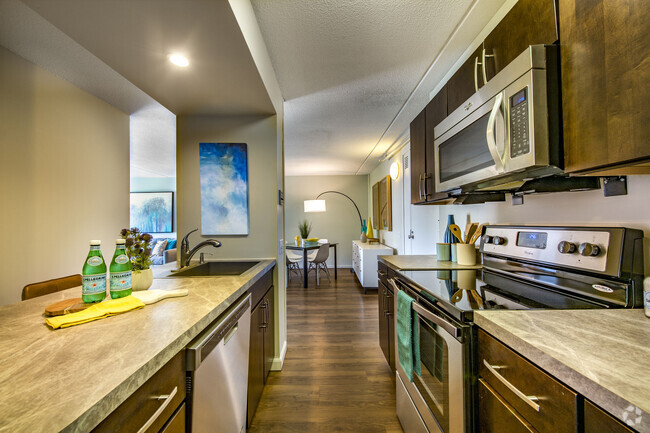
(221, 329)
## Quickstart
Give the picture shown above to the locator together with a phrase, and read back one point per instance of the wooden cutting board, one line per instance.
(154, 295)
(66, 306)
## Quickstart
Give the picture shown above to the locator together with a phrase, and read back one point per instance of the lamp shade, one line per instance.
(315, 206)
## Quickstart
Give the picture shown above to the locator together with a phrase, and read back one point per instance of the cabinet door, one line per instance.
(605, 84)
(496, 415)
(418, 155)
(390, 322)
(383, 321)
(529, 22)
(256, 359)
(269, 333)
(436, 111)
(462, 84)
(177, 423)
(598, 421)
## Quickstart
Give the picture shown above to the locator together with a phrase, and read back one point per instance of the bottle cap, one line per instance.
(95, 242)
(120, 241)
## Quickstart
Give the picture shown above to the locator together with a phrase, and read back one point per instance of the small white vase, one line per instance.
(141, 280)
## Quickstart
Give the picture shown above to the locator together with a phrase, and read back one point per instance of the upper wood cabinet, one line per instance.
(418, 163)
(605, 53)
(465, 81)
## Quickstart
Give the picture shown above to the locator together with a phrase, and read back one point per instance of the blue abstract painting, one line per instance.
(224, 188)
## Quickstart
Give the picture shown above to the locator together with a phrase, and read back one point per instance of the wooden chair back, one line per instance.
(50, 286)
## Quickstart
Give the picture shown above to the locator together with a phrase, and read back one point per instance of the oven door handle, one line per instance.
(454, 331)
(491, 142)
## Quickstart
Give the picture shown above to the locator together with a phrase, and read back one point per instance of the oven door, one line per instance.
(440, 389)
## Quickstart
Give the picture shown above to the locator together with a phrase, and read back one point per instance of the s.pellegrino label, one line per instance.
(120, 281)
(93, 284)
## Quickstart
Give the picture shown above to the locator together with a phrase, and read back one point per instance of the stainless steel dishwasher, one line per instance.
(217, 373)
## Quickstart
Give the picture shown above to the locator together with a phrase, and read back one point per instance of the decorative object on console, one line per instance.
(319, 205)
(138, 248)
(385, 204)
(224, 188)
(152, 212)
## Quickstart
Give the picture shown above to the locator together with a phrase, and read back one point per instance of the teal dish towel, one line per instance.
(408, 340)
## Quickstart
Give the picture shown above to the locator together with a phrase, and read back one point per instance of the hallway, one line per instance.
(335, 377)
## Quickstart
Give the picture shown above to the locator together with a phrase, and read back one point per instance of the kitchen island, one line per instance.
(71, 379)
(601, 354)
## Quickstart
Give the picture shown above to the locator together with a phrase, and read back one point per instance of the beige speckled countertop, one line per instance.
(602, 354)
(416, 262)
(70, 379)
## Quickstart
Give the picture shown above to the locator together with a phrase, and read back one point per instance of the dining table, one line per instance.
(305, 247)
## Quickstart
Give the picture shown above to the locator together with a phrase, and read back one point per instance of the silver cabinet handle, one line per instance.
(263, 307)
(420, 186)
(530, 400)
(476, 63)
(492, 145)
(426, 194)
(166, 400)
(483, 65)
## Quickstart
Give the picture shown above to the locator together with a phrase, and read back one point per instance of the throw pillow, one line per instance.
(171, 244)
(159, 248)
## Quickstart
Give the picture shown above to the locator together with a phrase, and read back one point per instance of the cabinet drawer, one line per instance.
(131, 415)
(516, 379)
(598, 421)
(496, 415)
(177, 423)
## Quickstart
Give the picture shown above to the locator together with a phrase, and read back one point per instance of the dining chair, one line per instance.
(293, 264)
(50, 286)
(318, 263)
(311, 254)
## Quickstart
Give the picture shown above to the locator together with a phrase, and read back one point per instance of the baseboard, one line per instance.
(279, 361)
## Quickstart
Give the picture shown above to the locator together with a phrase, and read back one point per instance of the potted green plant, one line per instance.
(138, 248)
(304, 227)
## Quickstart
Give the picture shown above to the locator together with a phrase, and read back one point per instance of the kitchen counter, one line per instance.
(602, 354)
(422, 262)
(70, 379)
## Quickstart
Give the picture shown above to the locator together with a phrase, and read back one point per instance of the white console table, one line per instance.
(364, 262)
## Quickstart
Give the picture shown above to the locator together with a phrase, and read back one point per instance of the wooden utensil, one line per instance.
(477, 234)
(66, 306)
(456, 232)
(151, 296)
(470, 231)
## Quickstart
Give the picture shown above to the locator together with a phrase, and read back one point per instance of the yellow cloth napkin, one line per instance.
(96, 312)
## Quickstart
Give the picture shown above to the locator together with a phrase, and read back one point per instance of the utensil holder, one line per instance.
(466, 254)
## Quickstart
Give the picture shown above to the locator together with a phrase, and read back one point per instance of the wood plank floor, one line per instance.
(335, 377)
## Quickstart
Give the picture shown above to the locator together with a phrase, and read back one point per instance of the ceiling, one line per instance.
(348, 68)
(134, 38)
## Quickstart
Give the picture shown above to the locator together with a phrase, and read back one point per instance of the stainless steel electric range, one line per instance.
(524, 267)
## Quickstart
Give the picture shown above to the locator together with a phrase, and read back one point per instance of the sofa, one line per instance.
(168, 255)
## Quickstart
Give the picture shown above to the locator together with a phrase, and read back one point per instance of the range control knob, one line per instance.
(588, 250)
(488, 239)
(498, 240)
(566, 247)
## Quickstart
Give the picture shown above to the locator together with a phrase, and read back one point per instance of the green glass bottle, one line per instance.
(93, 275)
(120, 271)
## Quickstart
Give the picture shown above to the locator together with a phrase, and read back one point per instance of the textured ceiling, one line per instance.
(134, 38)
(347, 69)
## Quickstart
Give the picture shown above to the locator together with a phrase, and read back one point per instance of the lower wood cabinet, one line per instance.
(262, 347)
(496, 415)
(386, 297)
(167, 387)
(598, 421)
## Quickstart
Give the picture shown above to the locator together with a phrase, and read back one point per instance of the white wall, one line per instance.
(260, 135)
(340, 223)
(65, 175)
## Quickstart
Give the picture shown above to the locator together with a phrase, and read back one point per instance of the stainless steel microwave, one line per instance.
(509, 131)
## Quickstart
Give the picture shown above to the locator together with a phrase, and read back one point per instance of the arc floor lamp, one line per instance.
(319, 205)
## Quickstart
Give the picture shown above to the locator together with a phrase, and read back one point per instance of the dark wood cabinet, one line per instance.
(386, 305)
(423, 159)
(496, 415)
(605, 55)
(529, 22)
(262, 343)
(465, 81)
(598, 421)
(177, 423)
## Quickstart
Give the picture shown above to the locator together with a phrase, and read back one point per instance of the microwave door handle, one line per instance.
(491, 142)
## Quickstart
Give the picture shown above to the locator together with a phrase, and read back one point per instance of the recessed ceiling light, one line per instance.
(179, 60)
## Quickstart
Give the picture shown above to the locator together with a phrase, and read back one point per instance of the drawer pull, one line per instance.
(529, 399)
(166, 400)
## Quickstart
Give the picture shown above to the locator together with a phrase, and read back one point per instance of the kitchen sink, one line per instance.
(214, 269)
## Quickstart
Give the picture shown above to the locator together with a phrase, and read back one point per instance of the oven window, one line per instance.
(433, 379)
(465, 152)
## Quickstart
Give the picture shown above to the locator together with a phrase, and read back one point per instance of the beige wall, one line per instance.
(340, 222)
(260, 135)
(64, 156)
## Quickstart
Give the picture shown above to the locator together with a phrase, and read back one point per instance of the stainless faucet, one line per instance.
(186, 253)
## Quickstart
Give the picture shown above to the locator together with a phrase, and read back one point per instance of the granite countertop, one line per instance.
(422, 262)
(602, 354)
(70, 379)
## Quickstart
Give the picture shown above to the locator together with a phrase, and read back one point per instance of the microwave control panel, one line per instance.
(519, 139)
